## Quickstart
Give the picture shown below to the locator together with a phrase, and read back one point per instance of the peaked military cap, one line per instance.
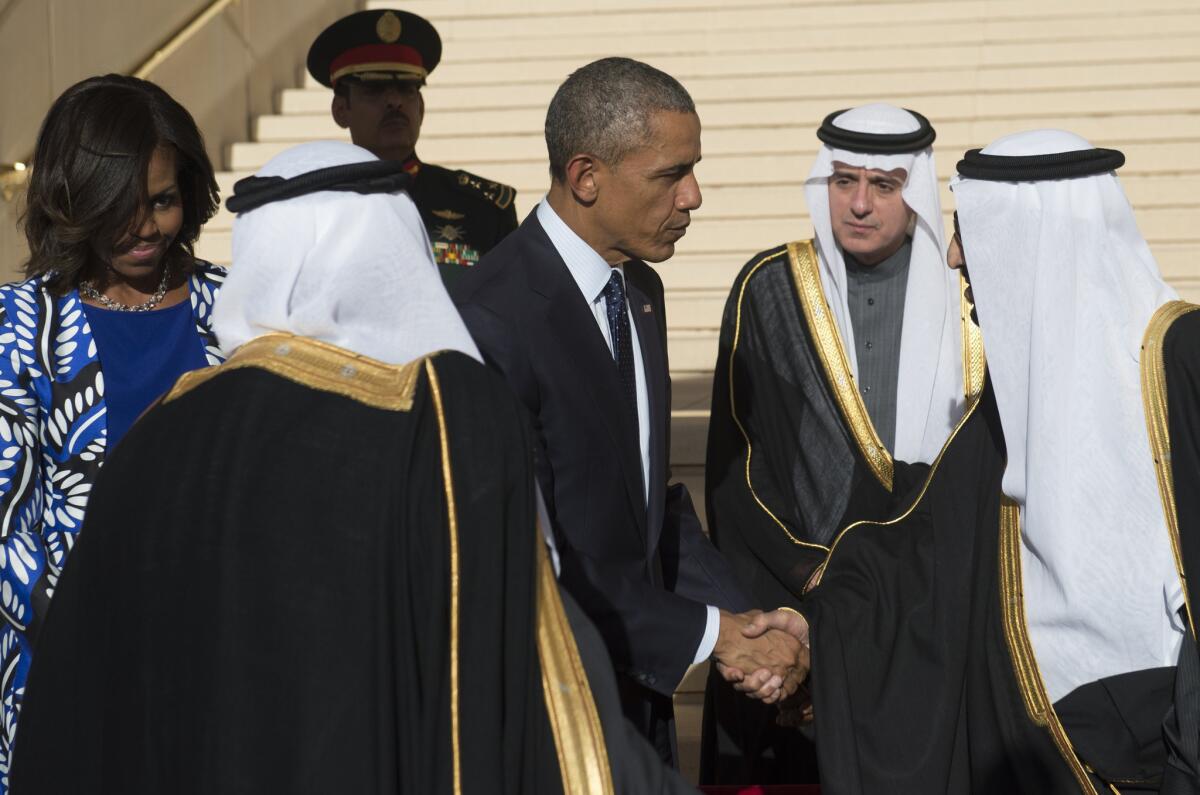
(379, 45)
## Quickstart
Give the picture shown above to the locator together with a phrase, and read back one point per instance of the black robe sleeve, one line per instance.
(1181, 361)
(782, 472)
(273, 588)
(913, 685)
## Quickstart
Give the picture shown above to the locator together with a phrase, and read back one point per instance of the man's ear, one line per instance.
(912, 221)
(340, 108)
(581, 178)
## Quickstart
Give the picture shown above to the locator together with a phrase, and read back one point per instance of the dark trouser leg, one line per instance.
(1181, 727)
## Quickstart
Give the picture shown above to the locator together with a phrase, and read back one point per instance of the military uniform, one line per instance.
(465, 215)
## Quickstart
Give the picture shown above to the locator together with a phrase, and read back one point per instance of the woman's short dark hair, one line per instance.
(87, 189)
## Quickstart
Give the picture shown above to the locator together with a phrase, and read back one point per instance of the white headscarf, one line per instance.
(929, 393)
(349, 269)
(1065, 286)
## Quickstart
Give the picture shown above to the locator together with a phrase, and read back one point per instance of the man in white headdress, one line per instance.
(1073, 311)
(839, 357)
(366, 604)
(1023, 624)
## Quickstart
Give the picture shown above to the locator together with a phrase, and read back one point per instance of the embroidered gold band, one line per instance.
(1154, 402)
(317, 365)
(828, 341)
(578, 735)
(974, 363)
(815, 579)
(737, 336)
(1020, 650)
(435, 390)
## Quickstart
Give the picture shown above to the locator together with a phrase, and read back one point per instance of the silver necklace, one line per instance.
(88, 290)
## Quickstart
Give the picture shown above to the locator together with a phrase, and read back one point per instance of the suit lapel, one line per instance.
(573, 326)
(647, 316)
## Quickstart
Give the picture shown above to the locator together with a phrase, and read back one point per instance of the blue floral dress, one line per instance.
(52, 443)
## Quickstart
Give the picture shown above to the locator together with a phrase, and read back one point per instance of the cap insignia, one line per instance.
(449, 215)
(388, 27)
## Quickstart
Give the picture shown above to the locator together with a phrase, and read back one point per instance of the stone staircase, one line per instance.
(764, 73)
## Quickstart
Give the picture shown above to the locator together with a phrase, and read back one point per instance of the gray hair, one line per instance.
(604, 109)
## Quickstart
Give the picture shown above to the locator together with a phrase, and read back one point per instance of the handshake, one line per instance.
(764, 655)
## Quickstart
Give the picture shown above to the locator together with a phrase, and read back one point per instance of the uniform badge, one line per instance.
(449, 232)
(449, 215)
(388, 27)
(446, 253)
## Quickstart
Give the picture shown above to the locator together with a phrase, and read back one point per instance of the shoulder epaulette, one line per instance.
(498, 194)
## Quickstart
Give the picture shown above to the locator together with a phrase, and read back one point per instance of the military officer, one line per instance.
(376, 62)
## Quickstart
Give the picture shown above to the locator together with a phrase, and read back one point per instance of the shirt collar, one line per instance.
(890, 268)
(589, 270)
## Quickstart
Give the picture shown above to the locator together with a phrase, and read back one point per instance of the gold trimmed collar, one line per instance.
(1020, 650)
(318, 365)
(802, 257)
(1154, 403)
(974, 362)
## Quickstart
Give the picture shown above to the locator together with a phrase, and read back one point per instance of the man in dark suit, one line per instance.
(569, 312)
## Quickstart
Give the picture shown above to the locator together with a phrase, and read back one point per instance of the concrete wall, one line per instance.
(231, 71)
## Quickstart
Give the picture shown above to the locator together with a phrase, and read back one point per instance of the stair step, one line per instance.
(741, 237)
(1144, 192)
(954, 137)
(769, 168)
(720, 59)
(812, 84)
(1014, 106)
(573, 52)
(444, 12)
(811, 23)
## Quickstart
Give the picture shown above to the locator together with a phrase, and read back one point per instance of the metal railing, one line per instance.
(14, 175)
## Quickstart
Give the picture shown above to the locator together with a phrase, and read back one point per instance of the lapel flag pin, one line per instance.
(646, 309)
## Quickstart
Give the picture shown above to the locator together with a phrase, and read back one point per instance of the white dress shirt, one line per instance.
(591, 273)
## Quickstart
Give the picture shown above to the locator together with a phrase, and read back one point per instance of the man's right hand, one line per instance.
(765, 662)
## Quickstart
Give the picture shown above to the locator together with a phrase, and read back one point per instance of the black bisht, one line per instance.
(260, 600)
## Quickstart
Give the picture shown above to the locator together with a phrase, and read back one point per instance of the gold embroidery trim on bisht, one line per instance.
(1016, 635)
(974, 362)
(435, 390)
(317, 365)
(1154, 402)
(578, 735)
(815, 579)
(737, 335)
(828, 341)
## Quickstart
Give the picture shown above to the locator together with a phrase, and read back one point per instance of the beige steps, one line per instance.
(561, 54)
(445, 11)
(786, 200)
(972, 21)
(755, 168)
(798, 82)
(954, 137)
(695, 350)
(738, 238)
(1013, 106)
(765, 74)
(720, 57)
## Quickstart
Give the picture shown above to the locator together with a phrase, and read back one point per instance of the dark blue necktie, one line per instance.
(622, 339)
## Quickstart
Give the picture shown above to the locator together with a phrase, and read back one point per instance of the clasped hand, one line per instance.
(764, 655)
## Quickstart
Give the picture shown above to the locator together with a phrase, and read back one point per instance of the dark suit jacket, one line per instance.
(642, 570)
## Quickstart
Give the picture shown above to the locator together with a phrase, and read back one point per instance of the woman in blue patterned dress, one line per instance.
(115, 308)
